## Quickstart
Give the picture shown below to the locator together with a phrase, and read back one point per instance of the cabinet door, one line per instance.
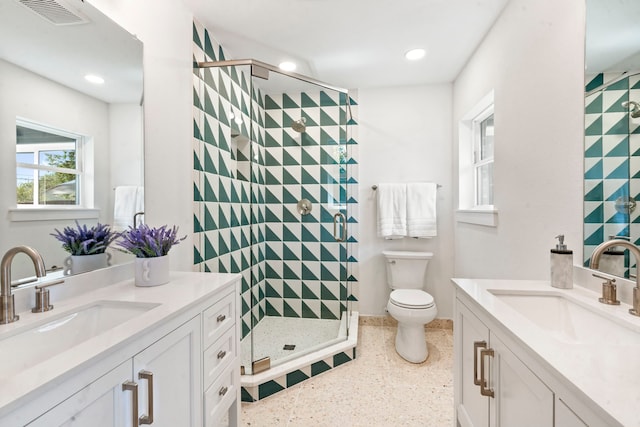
(565, 417)
(472, 409)
(102, 403)
(521, 399)
(172, 396)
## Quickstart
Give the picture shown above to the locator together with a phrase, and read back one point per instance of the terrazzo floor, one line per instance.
(378, 388)
(272, 333)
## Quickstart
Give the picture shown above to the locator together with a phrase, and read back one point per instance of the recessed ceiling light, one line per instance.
(97, 80)
(287, 66)
(415, 54)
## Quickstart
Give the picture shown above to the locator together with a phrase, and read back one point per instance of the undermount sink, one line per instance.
(567, 320)
(26, 347)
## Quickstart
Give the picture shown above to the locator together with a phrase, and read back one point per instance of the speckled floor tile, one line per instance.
(378, 388)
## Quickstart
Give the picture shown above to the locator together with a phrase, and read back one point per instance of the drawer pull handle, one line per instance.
(476, 346)
(483, 382)
(146, 375)
(133, 388)
(221, 354)
(221, 318)
(223, 391)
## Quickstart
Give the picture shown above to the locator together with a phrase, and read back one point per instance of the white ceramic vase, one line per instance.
(152, 271)
(76, 264)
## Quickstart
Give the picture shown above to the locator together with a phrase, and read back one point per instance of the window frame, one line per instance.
(478, 161)
(36, 167)
(469, 211)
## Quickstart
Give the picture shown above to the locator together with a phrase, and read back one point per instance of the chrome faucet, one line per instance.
(594, 263)
(7, 307)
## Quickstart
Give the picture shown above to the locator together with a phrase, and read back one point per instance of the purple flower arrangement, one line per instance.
(85, 241)
(146, 242)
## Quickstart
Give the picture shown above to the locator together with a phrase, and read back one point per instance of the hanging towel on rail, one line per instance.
(129, 199)
(421, 210)
(392, 211)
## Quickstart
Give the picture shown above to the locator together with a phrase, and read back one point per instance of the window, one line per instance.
(49, 164)
(483, 158)
(475, 165)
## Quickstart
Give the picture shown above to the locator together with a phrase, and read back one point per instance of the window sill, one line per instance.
(52, 214)
(486, 217)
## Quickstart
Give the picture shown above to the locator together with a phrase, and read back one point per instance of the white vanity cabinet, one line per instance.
(493, 387)
(163, 380)
(498, 381)
(180, 369)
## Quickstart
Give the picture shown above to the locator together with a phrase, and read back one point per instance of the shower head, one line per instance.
(634, 108)
(299, 125)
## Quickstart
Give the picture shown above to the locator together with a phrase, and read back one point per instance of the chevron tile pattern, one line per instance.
(612, 165)
(251, 168)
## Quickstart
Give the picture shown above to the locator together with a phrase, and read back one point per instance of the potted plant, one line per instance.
(151, 248)
(87, 246)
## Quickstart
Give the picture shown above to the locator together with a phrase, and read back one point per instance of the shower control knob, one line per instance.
(304, 207)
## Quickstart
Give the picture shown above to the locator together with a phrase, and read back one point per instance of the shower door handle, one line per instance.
(343, 231)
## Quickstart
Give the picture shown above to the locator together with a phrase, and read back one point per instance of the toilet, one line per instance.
(408, 303)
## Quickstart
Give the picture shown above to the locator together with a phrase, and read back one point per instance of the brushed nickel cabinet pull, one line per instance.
(133, 388)
(476, 346)
(223, 391)
(221, 318)
(221, 354)
(483, 381)
(146, 375)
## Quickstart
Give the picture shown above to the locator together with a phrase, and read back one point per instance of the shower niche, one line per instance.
(289, 139)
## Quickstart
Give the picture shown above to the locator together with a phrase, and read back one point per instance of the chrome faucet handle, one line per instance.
(42, 297)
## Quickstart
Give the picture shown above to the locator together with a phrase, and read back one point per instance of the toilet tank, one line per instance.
(406, 270)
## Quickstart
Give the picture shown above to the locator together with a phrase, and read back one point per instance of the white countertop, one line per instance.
(185, 290)
(607, 375)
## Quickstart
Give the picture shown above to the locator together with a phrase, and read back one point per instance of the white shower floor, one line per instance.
(271, 334)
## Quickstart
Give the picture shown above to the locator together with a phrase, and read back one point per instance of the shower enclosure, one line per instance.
(272, 199)
(612, 166)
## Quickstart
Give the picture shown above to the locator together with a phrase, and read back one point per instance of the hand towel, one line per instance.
(128, 201)
(392, 211)
(421, 210)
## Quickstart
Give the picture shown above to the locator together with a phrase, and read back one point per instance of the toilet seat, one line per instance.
(411, 298)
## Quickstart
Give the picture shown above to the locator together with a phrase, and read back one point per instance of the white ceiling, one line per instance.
(66, 53)
(353, 43)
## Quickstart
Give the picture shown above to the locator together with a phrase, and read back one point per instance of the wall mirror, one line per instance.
(612, 131)
(47, 51)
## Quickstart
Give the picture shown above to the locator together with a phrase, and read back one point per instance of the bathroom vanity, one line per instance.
(123, 355)
(527, 354)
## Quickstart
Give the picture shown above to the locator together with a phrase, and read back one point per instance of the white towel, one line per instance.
(392, 211)
(129, 199)
(421, 210)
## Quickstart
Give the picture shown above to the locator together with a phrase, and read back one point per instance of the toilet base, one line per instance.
(411, 343)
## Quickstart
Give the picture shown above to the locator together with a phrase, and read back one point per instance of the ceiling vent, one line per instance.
(57, 12)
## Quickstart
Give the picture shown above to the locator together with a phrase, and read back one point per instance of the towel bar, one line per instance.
(375, 187)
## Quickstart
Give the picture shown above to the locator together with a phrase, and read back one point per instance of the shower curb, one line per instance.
(265, 384)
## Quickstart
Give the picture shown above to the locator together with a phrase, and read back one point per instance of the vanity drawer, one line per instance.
(219, 356)
(218, 318)
(219, 397)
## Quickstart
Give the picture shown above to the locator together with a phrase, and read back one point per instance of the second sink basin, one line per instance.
(25, 347)
(567, 320)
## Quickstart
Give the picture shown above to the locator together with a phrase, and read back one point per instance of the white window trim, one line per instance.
(85, 210)
(468, 211)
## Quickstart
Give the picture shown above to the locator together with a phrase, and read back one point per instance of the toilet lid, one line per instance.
(411, 298)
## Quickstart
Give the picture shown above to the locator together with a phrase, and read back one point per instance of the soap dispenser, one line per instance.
(612, 260)
(561, 265)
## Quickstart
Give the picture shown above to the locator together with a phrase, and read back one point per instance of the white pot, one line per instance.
(76, 264)
(152, 271)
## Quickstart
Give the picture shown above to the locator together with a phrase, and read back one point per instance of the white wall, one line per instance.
(404, 136)
(165, 28)
(534, 59)
(22, 94)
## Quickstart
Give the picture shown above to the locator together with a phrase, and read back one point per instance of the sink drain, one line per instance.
(289, 347)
